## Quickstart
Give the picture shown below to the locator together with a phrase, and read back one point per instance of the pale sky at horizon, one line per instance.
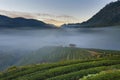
(82, 9)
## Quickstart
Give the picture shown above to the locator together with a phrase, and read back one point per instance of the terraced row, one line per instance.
(106, 75)
(85, 72)
(64, 70)
(21, 71)
(68, 70)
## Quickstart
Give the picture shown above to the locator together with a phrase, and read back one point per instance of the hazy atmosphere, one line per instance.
(59, 39)
(102, 38)
(82, 10)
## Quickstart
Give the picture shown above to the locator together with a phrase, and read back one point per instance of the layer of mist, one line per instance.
(101, 38)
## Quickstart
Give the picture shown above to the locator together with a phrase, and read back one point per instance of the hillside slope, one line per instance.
(55, 54)
(108, 16)
(50, 55)
(7, 22)
(113, 75)
(10, 57)
(65, 70)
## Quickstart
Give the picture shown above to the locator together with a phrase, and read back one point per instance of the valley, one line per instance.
(46, 46)
(24, 47)
(83, 62)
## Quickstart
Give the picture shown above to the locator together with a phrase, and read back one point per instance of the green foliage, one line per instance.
(12, 68)
(105, 75)
(81, 73)
(67, 69)
(70, 68)
(52, 54)
(31, 69)
(56, 54)
(46, 73)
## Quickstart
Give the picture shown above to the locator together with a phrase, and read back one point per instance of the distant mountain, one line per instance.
(57, 20)
(108, 16)
(7, 22)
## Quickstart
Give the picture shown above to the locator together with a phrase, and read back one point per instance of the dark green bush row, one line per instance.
(79, 74)
(19, 70)
(67, 69)
(42, 67)
(106, 75)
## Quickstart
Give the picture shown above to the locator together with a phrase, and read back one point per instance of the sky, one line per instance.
(82, 9)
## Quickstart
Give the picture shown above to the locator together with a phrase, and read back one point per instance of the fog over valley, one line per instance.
(59, 39)
(101, 38)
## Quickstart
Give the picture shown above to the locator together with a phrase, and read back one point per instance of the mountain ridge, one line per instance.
(107, 16)
(20, 22)
(48, 18)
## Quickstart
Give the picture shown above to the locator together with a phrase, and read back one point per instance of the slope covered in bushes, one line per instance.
(105, 75)
(65, 70)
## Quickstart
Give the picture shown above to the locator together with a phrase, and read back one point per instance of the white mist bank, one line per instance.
(102, 38)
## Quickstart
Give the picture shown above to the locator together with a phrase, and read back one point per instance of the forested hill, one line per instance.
(108, 16)
(7, 22)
